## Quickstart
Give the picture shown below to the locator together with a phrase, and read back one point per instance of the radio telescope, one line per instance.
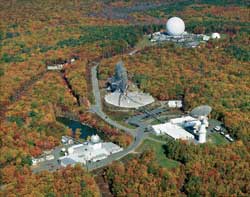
(202, 110)
(120, 96)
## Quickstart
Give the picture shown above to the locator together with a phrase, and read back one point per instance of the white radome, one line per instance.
(95, 139)
(175, 26)
(215, 35)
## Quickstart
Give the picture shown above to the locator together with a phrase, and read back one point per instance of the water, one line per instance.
(85, 129)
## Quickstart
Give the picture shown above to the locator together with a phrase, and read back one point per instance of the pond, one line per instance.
(85, 129)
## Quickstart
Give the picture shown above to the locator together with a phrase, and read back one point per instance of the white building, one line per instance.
(89, 152)
(38, 160)
(173, 130)
(175, 103)
(55, 67)
(67, 140)
(215, 35)
(177, 128)
(205, 38)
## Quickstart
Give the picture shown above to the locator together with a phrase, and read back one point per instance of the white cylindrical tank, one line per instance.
(204, 120)
(95, 139)
(202, 134)
(215, 35)
(175, 26)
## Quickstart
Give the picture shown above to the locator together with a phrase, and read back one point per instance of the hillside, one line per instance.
(35, 34)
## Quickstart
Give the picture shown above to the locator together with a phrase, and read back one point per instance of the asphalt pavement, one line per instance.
(137, 134)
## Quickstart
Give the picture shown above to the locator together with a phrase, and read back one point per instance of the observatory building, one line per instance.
(175, 32)
(190, 127)
(92, 151)
(175, 26)
(119, 95)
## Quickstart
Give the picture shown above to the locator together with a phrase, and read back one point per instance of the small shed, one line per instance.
(175, 104)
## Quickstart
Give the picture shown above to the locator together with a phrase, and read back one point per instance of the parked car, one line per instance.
(217, 128)
(229, 137)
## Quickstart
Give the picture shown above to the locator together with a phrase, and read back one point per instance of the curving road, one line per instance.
(138, 134)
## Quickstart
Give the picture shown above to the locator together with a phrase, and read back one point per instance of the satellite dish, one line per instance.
(203, 110)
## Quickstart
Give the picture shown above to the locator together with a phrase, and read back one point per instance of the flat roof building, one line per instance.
(175, 104)
(173, 130)
(67, 161)
(89, 152)
(185, 128)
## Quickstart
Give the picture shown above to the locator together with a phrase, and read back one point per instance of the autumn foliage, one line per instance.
(34, 34)
(68, 181)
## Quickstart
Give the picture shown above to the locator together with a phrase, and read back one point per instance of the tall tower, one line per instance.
(202, 133)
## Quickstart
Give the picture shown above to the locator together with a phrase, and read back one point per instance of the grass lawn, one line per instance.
(128, 157)
(120, 118)
(123, 123)
(159, 137)
(217, 139)
(159, 151)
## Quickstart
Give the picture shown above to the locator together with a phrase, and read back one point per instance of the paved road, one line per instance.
(97, 108)
(137, 119)
(138, 134)
(137, 141)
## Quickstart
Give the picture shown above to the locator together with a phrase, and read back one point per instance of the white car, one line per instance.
(217, 128)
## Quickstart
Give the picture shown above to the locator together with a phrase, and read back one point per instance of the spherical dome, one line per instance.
(175, 26)
(215, 35)
(95, 138)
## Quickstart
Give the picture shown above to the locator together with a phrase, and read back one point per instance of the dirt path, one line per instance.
(20, 92)
(69, 86)
(102, 183)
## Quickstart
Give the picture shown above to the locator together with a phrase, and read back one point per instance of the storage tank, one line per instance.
(202, 134)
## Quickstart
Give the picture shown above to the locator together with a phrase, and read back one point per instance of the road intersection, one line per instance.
(138, 134)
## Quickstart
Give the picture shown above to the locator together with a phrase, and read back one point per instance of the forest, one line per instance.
(35, 34)
(67, 182)
(217, 73)
(204, 171)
